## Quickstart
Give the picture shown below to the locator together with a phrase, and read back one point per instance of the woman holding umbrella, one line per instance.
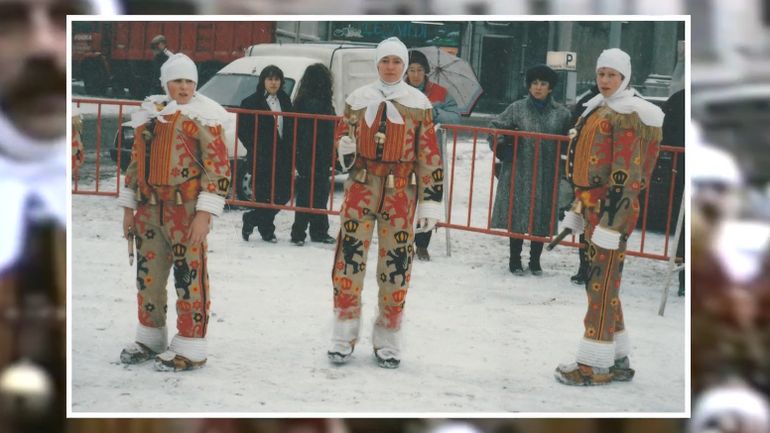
(444, 111)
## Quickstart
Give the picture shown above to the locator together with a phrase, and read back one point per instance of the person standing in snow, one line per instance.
(389, 145)
(268, 140)
(444, 111)
(178, 178)
(315, 145)
(610, 157)
(538, 112)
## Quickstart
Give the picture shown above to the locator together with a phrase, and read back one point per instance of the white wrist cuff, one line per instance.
(127, 198)
(606, 238)
(341, 158)
(430, 209)
(574, 221)
(596, 353)
(193, 349)
(211, 203)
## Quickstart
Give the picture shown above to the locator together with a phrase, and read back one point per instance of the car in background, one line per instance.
(351, 66)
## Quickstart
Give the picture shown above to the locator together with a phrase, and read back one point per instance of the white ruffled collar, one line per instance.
(200, 108)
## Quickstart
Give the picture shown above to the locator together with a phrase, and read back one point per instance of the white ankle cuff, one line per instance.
(596, 353)
(622, 344)
(154, 338)
(193, 349)
(383, 338)
(346, 332)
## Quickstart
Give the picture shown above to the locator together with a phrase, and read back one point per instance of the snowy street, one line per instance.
(476, 338)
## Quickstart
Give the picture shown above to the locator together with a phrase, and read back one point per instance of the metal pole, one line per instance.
(671, 268)
(615, 32)
(442, 144)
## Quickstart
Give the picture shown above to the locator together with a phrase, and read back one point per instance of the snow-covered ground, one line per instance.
(476, 338)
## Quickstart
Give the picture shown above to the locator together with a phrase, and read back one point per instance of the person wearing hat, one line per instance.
(444, 111)
(161, 53)
(537, 112)
(178, 178)
(388, 144)
(611, 154)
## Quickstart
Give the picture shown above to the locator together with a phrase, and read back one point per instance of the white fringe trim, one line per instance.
(211, 203)
(386, 342)
(127, 198)
(193, 349)
(622, 344)
(430, 209)
(346, 331)
(606, 238)
(596, 353)
(154, 338)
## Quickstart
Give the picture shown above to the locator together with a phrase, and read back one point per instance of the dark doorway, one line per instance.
(496, 55)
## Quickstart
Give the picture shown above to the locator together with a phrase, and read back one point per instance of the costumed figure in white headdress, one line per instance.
(178, 178)
(611, 154)
(389, 145)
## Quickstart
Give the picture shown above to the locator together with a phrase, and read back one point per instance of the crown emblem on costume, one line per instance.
(438, 175)
(351, 226)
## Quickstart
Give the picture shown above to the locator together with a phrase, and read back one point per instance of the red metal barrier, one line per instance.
(462, 139)
(472, 135)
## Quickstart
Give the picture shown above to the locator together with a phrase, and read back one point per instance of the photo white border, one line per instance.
(411, 415)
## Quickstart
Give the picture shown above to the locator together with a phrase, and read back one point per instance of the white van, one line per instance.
(351, 66)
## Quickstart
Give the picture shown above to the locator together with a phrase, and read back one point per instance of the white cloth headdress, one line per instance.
(624, 100)
(177, 66)
(200, 107)
(372, 95)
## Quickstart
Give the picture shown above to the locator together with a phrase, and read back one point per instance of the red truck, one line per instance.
(112, 56)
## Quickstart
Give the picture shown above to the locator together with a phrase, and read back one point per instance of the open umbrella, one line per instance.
(456, 75)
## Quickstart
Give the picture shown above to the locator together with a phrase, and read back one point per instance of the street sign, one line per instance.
(563, 60)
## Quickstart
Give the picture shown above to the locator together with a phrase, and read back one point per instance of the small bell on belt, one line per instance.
(413, 179)
(577, 207)
(390, 182)
(360, 176)
(178, 198)
(138, 195)
(153, 198)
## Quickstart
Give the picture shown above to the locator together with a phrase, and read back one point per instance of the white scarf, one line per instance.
(200, 108)
(624, 100)
(29, 169)
(373, 94)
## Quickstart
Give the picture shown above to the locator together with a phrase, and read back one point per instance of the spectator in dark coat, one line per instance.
(314, 159)
(539, 113)
(274, 140)
(673, 135)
